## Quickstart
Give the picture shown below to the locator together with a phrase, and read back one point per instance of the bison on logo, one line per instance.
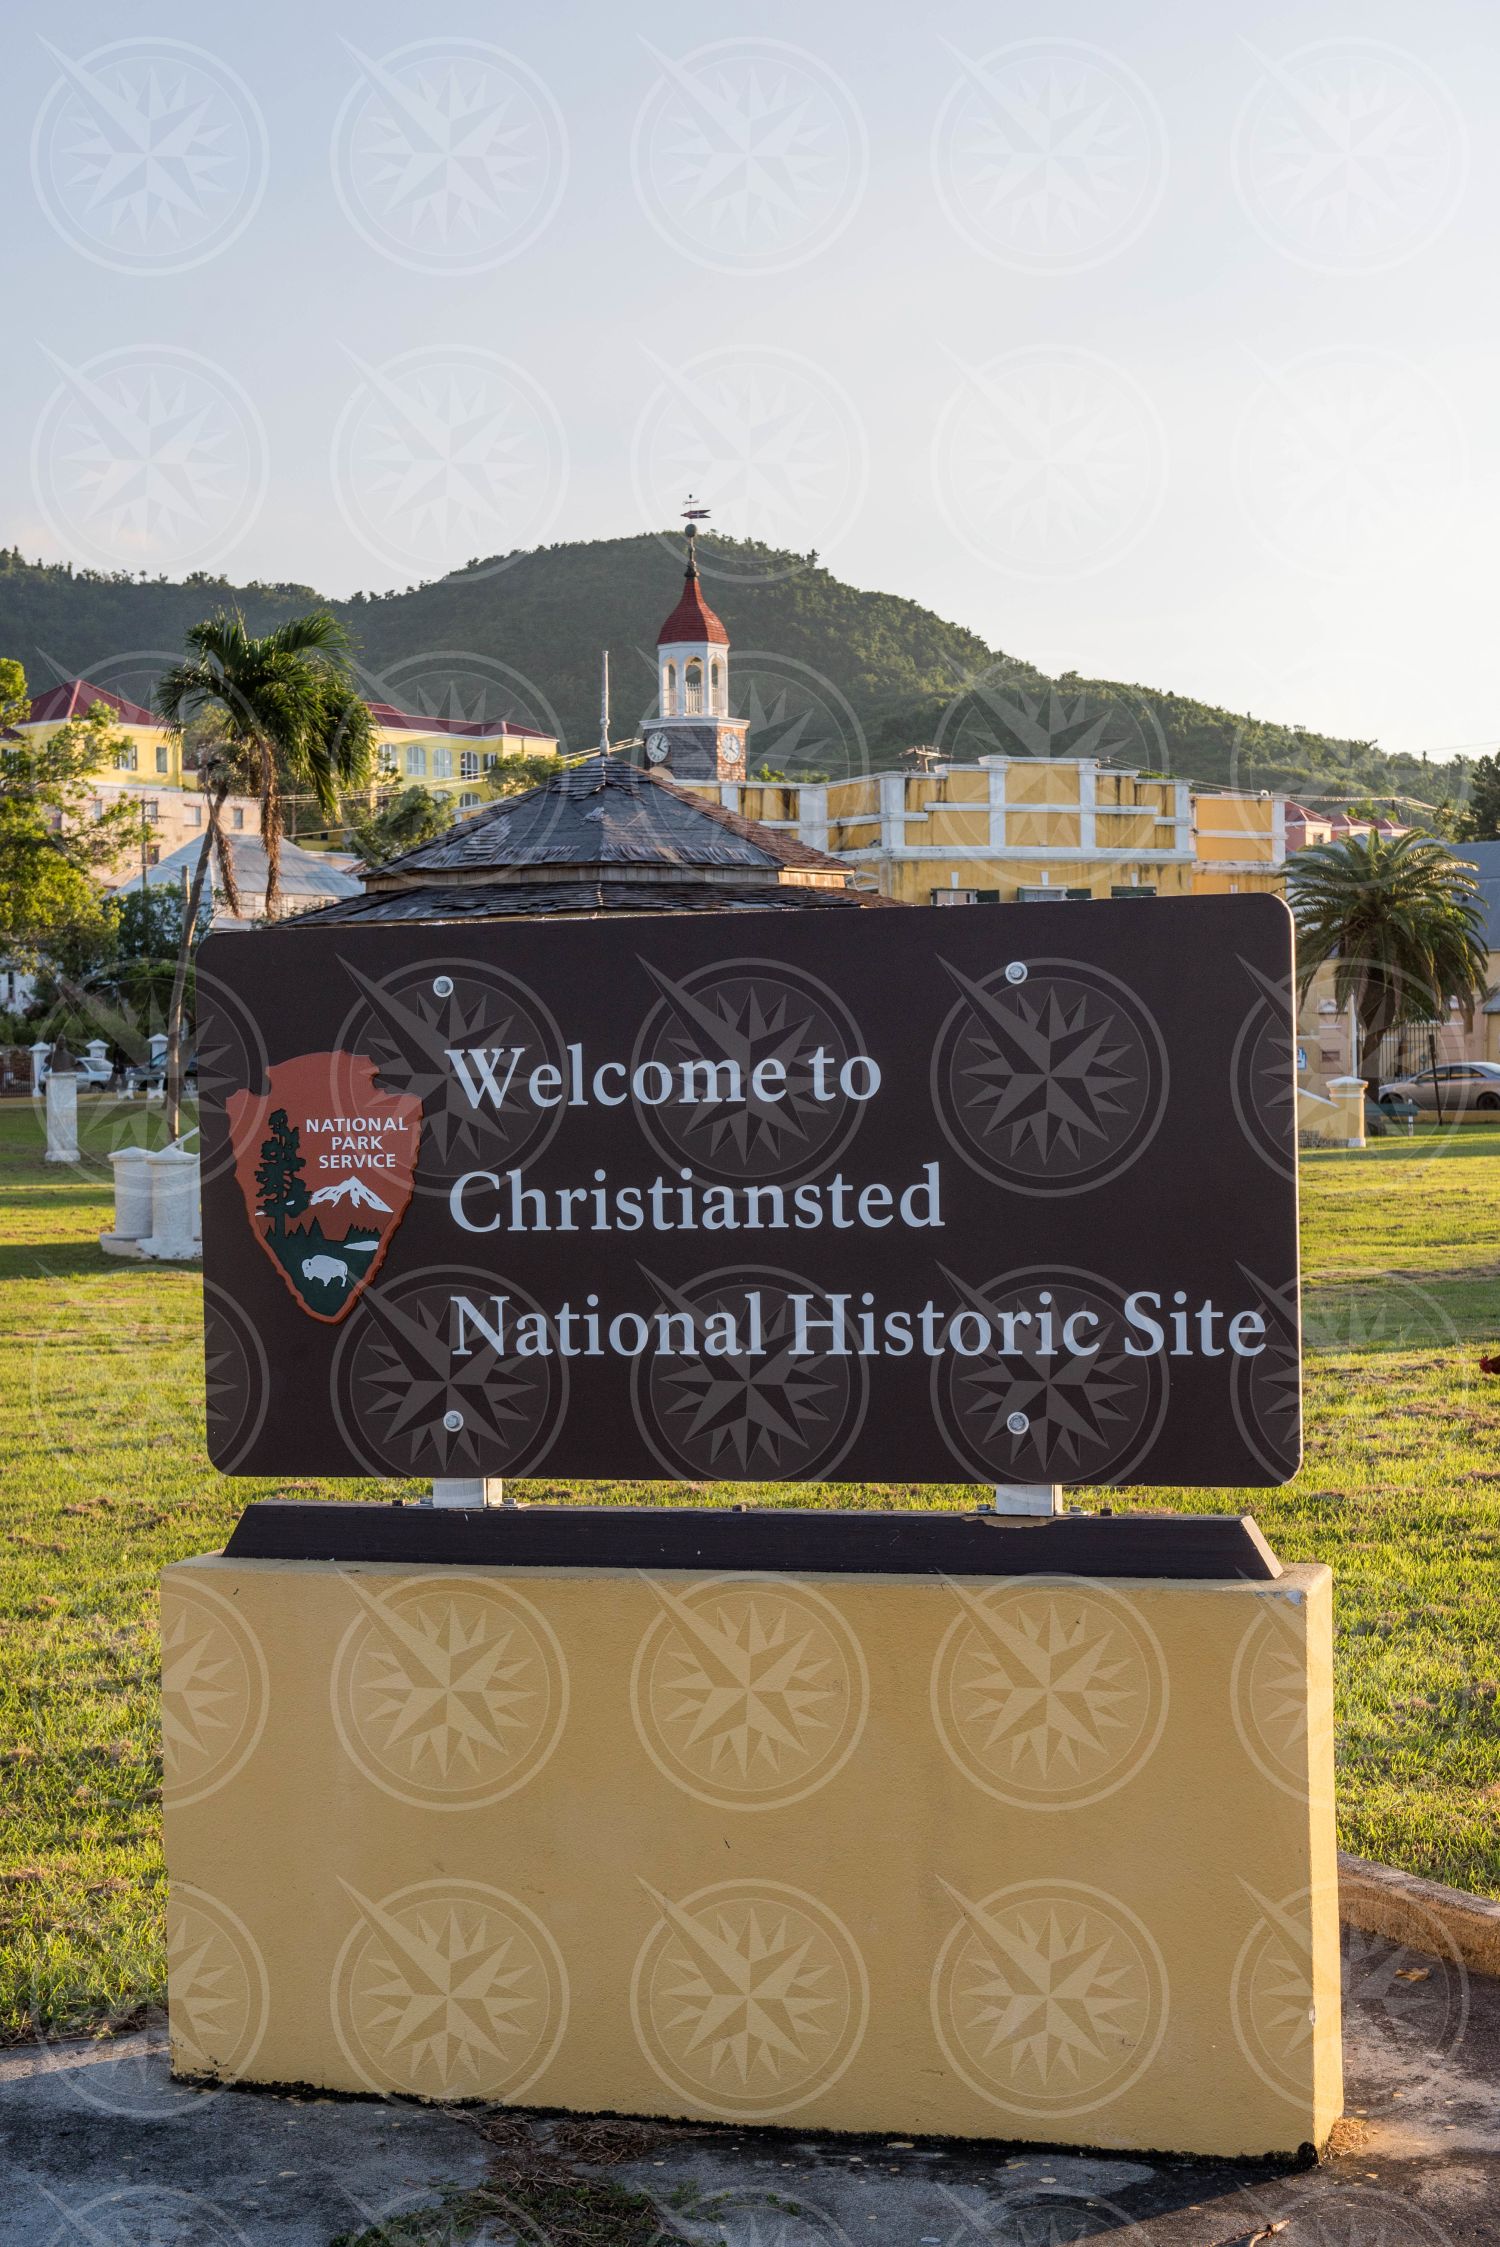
(325, 1162)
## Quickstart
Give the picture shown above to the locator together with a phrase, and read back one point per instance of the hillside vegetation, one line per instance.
(835, 679)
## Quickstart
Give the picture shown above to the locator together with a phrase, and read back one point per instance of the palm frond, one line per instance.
(1400, 921)
(286, 710)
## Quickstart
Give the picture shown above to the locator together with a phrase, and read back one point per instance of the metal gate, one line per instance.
(1416, 1045)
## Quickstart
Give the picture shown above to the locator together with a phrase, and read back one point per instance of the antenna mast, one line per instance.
(604, 703)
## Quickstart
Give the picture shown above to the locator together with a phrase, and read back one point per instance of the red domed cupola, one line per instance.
(692, 620)
(693, 730)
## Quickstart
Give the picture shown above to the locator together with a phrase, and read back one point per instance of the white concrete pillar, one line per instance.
(39, 1053)
(174, 1197)
(812, 814)
(98, 1053)
(1088, 802)
(996, 768)
(131, 1166)
(62, 1108)
(1348, 1096)
(892, 810)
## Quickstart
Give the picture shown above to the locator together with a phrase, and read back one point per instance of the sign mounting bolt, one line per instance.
(453, 1421)
(1018, 1423)
(1016, 972)
(443, 986)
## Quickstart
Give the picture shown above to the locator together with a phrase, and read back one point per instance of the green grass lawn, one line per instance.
(106, 1480)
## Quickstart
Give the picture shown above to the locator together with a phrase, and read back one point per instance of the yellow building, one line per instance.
(149, 757)
(1239, 842)
(1010, 829)
(147, 771)
(452, 757)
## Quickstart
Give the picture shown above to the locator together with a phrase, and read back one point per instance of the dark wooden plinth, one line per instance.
(748, 1538)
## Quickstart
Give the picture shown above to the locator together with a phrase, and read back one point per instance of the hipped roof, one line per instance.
(74, 698)
(304, 873)
(603, 813)
(600, 837)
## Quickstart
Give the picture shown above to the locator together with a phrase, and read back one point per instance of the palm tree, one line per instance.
(285, 718)
(287, 708)
(218, 771)
(1401, 919)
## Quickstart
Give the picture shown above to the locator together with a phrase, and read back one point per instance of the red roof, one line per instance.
(475, 729)
(692, 619)
(75, 697)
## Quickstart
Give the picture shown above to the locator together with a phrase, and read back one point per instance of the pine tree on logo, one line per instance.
(279, 1174)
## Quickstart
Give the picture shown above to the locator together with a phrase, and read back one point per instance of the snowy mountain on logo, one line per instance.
(355, 1192)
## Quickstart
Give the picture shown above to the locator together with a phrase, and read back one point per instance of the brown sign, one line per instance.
(1003, 1194)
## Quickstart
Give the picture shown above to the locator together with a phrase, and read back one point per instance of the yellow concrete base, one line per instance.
(1007, 1858)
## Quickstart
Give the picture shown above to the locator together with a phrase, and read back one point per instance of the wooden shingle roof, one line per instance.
(605, 813)
(603, 836)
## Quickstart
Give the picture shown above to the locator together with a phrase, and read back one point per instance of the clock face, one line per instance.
(657, 747)
(729, 748)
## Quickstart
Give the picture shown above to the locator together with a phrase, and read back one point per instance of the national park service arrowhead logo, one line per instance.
(325, 1162)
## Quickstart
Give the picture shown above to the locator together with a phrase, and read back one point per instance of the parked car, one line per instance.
(94, 1072)
(1454, 1088)
(151, 1076)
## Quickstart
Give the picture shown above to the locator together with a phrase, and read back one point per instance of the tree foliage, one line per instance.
(512, 776)
(1479, 822)
(1403, 923)
(285, 715)
(274, 715)
(52, 841)
(411, 816)
(111, 976)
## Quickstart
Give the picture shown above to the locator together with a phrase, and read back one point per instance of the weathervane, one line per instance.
(693, 515)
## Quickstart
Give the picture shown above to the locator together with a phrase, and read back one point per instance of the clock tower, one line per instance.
(692, 736)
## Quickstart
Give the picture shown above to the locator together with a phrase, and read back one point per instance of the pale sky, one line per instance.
(1156, 342)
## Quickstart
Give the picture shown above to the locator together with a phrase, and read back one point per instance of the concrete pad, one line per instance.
(1415, 2164)
(99, 2147)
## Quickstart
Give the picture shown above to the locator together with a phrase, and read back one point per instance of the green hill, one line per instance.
(836, 680)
